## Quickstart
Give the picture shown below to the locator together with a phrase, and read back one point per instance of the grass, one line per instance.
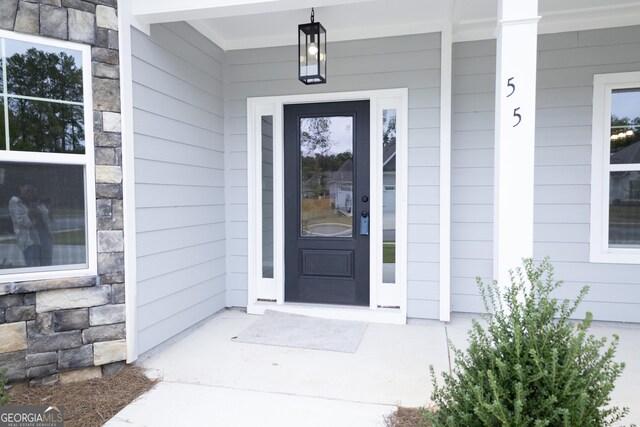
(71, 237)
(5, 396)
(68, 213)
(320, 211)
(389, 252)
(624, 214)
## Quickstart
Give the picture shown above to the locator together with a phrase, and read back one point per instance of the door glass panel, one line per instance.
(267, 196)
(625, 126)
(389, 196)
(326, 174)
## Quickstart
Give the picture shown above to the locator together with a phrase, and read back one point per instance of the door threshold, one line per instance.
(393, 316)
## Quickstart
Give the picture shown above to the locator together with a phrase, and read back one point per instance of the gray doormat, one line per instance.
(294, 330)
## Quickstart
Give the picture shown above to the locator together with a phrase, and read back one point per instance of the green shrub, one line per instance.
(5, 396)
(530, 365)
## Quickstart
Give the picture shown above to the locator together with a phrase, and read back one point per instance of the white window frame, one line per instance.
(388, 302)
(603, 85)
(87, 160)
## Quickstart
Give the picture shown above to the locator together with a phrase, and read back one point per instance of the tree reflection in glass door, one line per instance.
(326, 174)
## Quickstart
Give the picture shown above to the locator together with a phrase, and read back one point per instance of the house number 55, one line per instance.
(512, 86)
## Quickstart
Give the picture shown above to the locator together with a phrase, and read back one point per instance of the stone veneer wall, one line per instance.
(70, 329)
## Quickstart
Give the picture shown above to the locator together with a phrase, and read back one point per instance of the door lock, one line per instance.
(364, 223)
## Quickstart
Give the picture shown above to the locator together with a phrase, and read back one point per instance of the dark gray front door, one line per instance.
(326, 181)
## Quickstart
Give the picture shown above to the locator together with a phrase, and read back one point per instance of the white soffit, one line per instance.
(347, 21)
(243, 24)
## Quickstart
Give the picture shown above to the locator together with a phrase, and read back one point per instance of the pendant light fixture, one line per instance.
(312, 52)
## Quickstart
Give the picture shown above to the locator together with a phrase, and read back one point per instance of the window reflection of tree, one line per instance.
(389, 127)
(40, 125)
(324, 164)
(624, 132)
(315, 142)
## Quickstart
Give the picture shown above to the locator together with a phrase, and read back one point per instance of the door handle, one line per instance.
(364, 223)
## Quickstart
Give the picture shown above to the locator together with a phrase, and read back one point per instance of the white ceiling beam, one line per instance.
(588, 19)
(471, 19)
(159, 11)
(556, 21)
(455, 11)
(336, 36)
(481, 29)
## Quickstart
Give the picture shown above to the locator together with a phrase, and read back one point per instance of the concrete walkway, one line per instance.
(210, 380)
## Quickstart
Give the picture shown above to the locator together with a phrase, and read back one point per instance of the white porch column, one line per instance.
(514, 135)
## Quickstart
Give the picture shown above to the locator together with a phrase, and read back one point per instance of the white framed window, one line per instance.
(47, 181)
(615, 169)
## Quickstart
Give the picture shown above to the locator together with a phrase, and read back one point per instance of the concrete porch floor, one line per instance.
(208, 379)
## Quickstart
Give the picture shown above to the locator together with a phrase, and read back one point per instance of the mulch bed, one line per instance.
(407, 417)
(88, 403)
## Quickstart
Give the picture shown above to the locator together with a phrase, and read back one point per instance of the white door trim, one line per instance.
(388, 302)
(446, 65)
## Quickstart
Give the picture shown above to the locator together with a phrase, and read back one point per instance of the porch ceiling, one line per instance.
(241, 24)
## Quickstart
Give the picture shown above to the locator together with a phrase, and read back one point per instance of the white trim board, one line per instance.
(128, 178)
(446, 64)
(266, 293)
(337, 312)
(599, 250)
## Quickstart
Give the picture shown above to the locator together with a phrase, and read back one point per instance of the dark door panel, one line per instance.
(326, 149)
(332, 263)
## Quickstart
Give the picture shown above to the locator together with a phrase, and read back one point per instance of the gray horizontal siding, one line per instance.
(472, 141)
(180, 174)
(410, 61)
(566, 65)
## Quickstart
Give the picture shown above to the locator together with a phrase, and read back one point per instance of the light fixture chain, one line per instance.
(312, 15)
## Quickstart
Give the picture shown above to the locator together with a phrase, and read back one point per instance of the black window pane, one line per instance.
(624, 209)
(42, 217)
(43, 71)
(3, 142)
(625, 126)
(1, 65)
(47, 127)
